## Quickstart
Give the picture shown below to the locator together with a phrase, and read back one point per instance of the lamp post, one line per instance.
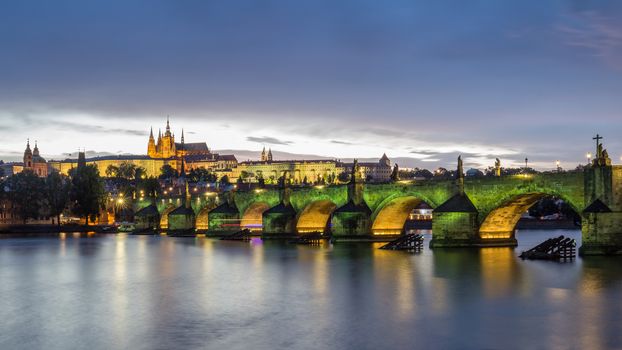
(559, 169)
(589, 158)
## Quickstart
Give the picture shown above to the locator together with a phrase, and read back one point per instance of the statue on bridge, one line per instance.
(602, 156)
(497, 167)
(460, 171)
(460, 175)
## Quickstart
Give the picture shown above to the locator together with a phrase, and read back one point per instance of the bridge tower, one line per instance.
(602, 218)
(280, 220)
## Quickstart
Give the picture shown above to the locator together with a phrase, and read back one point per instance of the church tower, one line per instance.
(269, 158)
(151, 147)
(28, 156)
(264, 157)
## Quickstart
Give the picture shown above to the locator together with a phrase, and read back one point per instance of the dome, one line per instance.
(38, 159)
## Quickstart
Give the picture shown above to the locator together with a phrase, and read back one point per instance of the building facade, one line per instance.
(307, 171)
(31, 161)
(164, 151)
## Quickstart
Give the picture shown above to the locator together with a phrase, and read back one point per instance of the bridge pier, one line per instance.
(454, 223)
(601, 225)
(147, 219)
(224, 218)
(351, 221)
(279, 221)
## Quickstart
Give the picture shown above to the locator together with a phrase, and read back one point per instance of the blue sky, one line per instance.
(420, 79)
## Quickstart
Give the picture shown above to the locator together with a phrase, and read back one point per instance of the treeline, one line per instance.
(33, 197)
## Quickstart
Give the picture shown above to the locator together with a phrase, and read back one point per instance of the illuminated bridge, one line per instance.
(467, 211)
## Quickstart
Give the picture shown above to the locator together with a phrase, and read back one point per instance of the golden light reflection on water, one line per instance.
(63, 243)
(499, 271)
(120, 299)
(393, 277)
(440, 299)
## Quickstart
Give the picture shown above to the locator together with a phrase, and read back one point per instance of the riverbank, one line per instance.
(20, 228)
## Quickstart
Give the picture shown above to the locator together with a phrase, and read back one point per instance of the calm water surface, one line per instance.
(144, 292)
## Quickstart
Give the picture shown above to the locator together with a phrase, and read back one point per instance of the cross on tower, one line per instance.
(598, 150)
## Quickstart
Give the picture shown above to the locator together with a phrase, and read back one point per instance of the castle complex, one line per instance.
(165, 151)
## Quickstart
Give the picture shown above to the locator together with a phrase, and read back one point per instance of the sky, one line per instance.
(419, 80)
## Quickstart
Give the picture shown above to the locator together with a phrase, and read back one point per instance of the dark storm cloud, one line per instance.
(268, 140)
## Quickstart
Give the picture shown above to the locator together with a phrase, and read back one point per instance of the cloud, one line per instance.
(599, 34)
(341, 142)
(98, 128)
(268, 140)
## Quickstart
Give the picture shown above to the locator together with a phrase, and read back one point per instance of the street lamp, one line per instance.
(558, 167)
(589, 157)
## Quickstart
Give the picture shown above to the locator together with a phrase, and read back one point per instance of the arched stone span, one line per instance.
(316, 216)
(202, 221)
(392, 216)
(252, 218)
(501, 222)
(164, 216)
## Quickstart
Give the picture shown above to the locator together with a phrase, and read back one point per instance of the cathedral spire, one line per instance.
(182, 138)
(270, 154)
(151, 146)
(35, 151)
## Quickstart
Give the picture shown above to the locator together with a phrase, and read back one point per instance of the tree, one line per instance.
(112, 171)
(27, 193)
(201, 174)
(244, 175)
(127, 171)
(57, 193)
(151, 187)
(167, 172)
(87, 192)
(343, 177)
(261, 182)
(424, 173)
(224, 181)
(544, 207)
(140, 173)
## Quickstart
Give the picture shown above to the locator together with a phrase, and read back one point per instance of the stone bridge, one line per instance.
(467, 211)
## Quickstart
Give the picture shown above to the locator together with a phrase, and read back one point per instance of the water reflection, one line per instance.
(123, 291)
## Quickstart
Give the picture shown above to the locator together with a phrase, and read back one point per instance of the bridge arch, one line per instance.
(202, 220)
(315, 216)
(164, 215)
(391, 216)
(252, 217)
(500, 222)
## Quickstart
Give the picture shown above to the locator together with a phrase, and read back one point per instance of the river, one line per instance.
(98, 291)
